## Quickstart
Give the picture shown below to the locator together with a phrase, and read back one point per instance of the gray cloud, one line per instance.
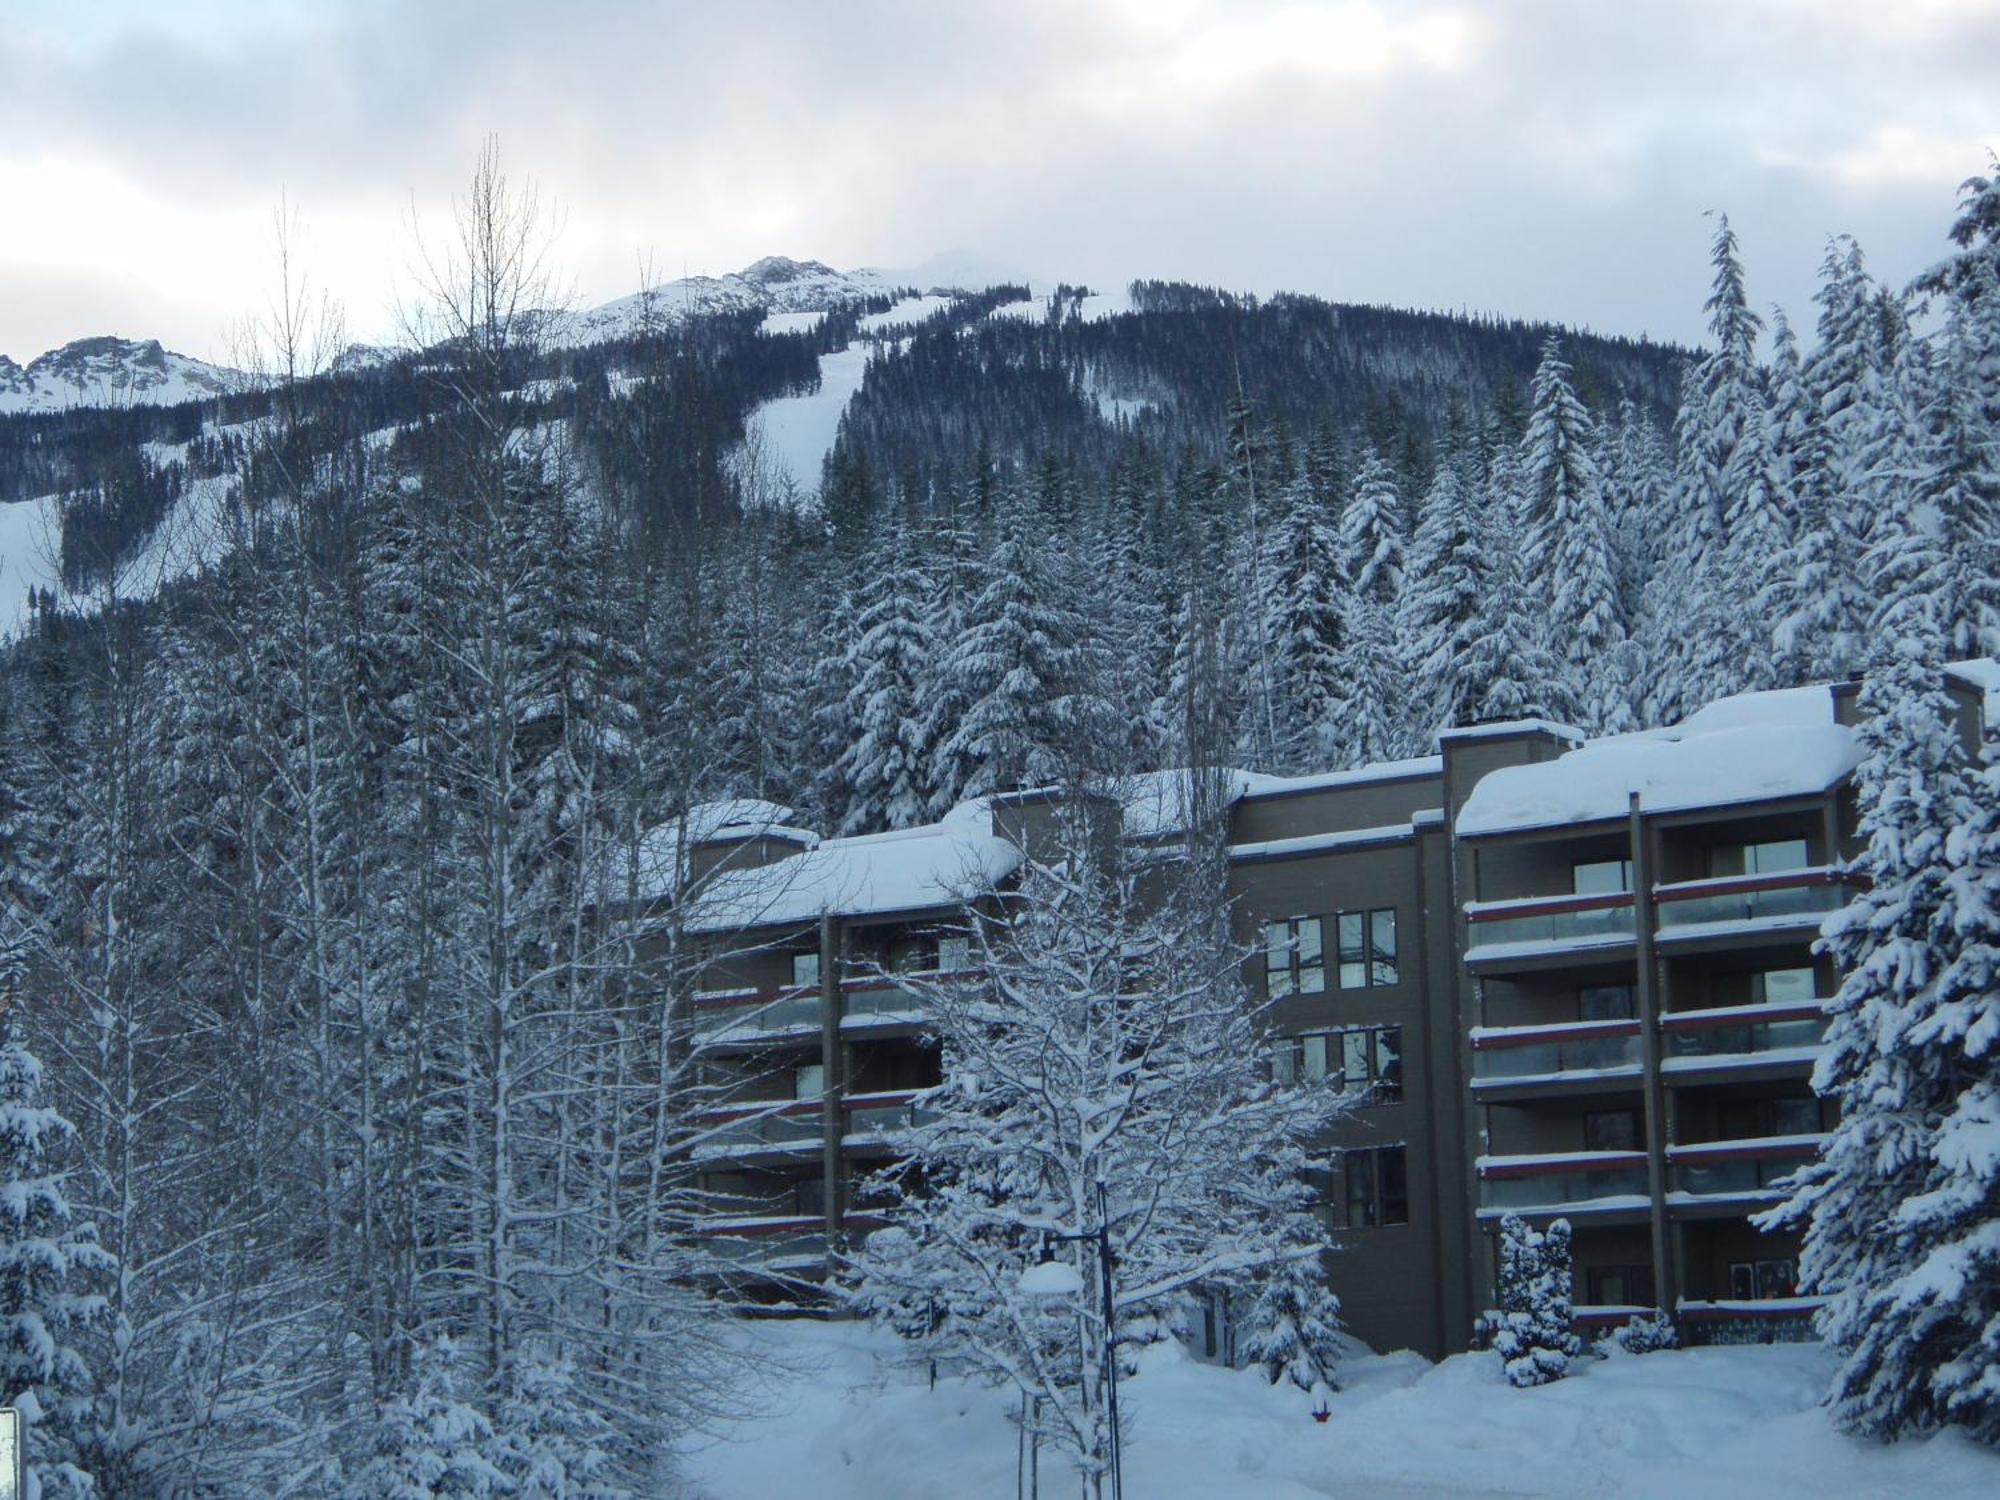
(1546, 158)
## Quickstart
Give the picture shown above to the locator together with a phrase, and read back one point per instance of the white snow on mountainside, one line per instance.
(775, 284)
(110, 371)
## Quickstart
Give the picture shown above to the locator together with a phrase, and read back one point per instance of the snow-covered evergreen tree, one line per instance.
(1292, 1330)
(886, 766)
(1567, 551)
(1445, 602)
(1307, 628)
(1534, 1327)
(1371, 531)
(48, 1262)
(554, 1446)
(1899, 1231)
(1506, 665)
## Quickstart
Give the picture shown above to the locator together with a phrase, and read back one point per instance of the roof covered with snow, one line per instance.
(908, 870)
(1748, 748)
(660, 853)
(1981, 673)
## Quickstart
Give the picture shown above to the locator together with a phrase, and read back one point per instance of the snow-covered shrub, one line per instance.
(1647, 1333)
(1534, 1331)
(556, 1447)
(1293, 1330)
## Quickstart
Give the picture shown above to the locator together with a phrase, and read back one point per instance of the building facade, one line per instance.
(1568, 978)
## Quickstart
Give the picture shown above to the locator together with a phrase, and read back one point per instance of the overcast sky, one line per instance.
(1546, 158)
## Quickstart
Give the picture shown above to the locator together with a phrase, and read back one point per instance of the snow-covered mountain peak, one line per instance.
(110, 371)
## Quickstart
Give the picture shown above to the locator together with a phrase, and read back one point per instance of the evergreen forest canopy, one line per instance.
(321, 804)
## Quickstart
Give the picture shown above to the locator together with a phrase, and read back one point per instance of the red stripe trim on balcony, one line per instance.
(1532, 1036)
(1779, 1307)
(896, 981)
(879, 1101)
(1749, 1149)
(1541, 906)
(1747, 1015)
(1562, 1163)
(1734, 885)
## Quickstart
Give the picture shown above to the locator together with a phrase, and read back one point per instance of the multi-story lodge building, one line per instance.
(1574, 978)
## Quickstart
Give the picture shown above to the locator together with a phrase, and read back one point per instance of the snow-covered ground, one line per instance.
(793, 434)
(844, 1418)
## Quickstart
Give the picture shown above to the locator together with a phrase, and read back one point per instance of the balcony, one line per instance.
(1765, 1038)
(1542, 926)
(874, 1118)
(1783, 903)
(1740, 1171)
(775, 1125)
(741, 1018)
(1578, 1052)
(1569, 1182)
(795, 1242)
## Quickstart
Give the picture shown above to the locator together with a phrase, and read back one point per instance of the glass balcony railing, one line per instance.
(1498, 1056)
(749, 1250)
(1710, 1038)
(1741, 1175)
(1810, 893)
(882, 1000)
(731, 1018)
(1580, 1183)
(759, 1132)
(887, 1119)
(1555, 926)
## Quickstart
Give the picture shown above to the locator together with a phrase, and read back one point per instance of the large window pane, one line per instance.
(805, 968)
(954, 953)
(1382, 945)
(1606, 1002)
(1601, 877)
(1277, 946)
(1394, 1190)
(1389, 1061)
(1353, 950)
(1782, 986)
(1783, 854)
(1285, 1061)
(1308, 940)
(1315, 1057)
(1312, 981)
(1355, 1052)
(1361, 1200)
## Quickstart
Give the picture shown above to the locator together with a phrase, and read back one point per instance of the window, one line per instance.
(805, 968)
(808, 1080)
(1606, 1002)
(1619, 1286)
(954, 954)
(1367, 948)
(1743, 1118)
(1361, 1057)
(1755, 1280)
(1611, 1130)
(1795, 1117)
(1757, 859)
(1601, 877)
(1378, 1189)
(1294, 958)
(1782, 987)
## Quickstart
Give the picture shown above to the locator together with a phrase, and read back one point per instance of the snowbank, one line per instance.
(847, 1417)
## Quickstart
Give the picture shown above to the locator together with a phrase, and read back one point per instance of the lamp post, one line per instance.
(1047, 1285)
